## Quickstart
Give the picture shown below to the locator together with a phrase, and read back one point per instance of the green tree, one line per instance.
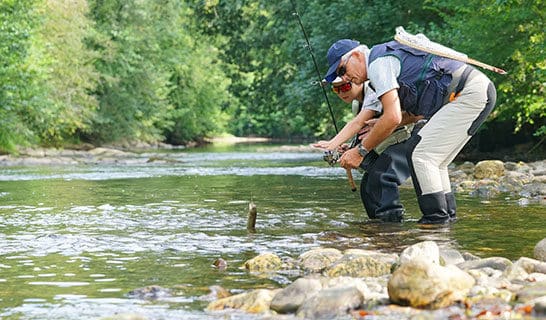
(149, 70)
(17, 19)
(132, 90)
(160, 78)
(62, 67)
(198, 85)
(272, 72)
(509, 34)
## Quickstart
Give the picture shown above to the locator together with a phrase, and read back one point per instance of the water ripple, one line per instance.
(84, 229)
(105, 173)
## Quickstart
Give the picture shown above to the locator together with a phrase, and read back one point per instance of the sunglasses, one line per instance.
(343, 69)
(342, 88)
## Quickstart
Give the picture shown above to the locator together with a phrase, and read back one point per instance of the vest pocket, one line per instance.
(431, 98)
(408, 97)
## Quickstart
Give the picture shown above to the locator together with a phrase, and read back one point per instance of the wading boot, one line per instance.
(394, 215)
(451, 206)
(434, 208)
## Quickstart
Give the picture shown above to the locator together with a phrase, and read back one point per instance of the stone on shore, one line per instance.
(426, 250)
(450, 256)
(431, 290)
(523, 268)
(423, 284)
(540, 250)
(354, 265)
(497, 263)
(489, 169)
(291, 298)
(331, 303)
(531, 292)
(255, 301)
(540, 306)
(317, 260)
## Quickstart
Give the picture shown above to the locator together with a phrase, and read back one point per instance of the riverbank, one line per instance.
(423, 282)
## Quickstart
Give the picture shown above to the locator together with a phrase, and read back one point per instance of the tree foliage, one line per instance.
(508, 33)
(16, 93)
(105, 71)
(62, 68)
(134, 84)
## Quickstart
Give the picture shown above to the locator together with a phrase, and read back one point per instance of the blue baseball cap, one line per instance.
(336, 51)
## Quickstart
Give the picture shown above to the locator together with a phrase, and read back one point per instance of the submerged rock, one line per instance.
(317, 260)
(149, 292)
(540, 250)
(264, 263)
(220, 263)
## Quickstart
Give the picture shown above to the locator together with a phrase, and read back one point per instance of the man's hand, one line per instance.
(322, 144)
(342, 148)
(351, 159)
(362, 133)
(326, 145)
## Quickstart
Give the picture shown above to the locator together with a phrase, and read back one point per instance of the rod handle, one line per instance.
(350, 179)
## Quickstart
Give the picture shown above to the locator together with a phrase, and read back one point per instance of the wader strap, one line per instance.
(463, 79)
(401, 134)
(458, 83)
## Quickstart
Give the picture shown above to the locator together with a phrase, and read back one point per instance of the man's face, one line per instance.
(352, 68)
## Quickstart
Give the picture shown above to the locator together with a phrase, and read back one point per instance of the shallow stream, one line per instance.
(75, 240)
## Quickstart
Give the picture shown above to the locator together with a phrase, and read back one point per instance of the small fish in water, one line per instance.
(220, 263)
(152, 292)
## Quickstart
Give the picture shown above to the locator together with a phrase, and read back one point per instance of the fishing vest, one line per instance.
(424, 78)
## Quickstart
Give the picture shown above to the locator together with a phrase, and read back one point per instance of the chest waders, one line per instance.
(385, 168)
(456, 99)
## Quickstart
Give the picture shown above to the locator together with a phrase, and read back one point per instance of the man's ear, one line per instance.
(358, 55)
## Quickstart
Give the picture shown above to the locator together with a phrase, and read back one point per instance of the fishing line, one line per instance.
(308, 45)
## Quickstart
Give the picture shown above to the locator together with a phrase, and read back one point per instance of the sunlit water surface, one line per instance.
(74, 240)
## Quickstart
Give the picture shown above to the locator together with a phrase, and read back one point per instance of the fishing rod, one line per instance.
(314, 62)
(329, 157)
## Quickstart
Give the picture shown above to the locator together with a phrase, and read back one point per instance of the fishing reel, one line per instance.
(331, 157)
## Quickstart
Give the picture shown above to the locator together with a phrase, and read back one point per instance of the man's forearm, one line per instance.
(351, 128)
(389, 120)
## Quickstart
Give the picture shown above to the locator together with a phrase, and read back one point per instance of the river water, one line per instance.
(75, 240)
